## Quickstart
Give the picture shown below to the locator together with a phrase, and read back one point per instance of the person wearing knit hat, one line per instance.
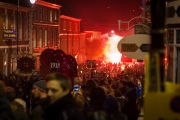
(39, 89)
(40, 95)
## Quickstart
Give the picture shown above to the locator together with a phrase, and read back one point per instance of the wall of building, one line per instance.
(45, 31)
(8, 47)
(173, 41)
(71, 40)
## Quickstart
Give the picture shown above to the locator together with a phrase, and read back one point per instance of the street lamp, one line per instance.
(32, 1)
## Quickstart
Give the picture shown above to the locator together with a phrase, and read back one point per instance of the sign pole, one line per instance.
(17, 25)
(158, 11)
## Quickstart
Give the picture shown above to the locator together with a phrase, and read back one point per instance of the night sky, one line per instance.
(105, 12)
(95, 13)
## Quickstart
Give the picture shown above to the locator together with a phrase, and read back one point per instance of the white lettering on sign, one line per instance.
(55, 65)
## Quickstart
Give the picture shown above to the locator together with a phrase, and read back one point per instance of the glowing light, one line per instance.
(122, 67)
(32, 1)
(111, 51)
(5, 63)
(76, 56)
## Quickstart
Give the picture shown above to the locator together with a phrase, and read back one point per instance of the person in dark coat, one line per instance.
(16, 108)
(112, 107)
(130, 107)
(39, 93)
(5, 109)
(61, 101)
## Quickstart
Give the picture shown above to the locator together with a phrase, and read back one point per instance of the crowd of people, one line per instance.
(59, 98)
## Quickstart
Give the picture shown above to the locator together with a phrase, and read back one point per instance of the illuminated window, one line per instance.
(64, 25)
(40, 38)
(34, 42)
(70, 26)
(50, 15)
(55, 15)
(45, 33)
(5, 21)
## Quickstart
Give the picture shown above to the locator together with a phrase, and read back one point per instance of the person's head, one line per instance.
(57, 86)
(130, 85)
(90, 84)
(20, 89)
(97, 97)
(10, 94)
(39, 89)
(77, 81)
(2, 87)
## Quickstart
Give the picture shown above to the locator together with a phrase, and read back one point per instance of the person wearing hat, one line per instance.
(39, 94)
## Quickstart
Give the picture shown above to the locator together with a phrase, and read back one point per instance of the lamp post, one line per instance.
(17, 22)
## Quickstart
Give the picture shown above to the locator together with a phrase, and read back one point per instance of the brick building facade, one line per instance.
(72, 41)
(8, 46)
(45, 31)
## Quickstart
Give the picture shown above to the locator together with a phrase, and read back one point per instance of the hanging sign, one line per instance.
(25, 65)
(57, 61)
(9, 34)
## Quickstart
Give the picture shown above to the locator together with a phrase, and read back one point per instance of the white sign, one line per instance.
(135, 46)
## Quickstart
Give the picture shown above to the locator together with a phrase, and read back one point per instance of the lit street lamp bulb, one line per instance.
(32, 1)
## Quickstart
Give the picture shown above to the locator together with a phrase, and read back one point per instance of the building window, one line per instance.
(170, 36)
(25, 28)
(70, 26)
(45, 37)
(40, 14)
(5, 62)
(20, 28)
(178, 36)
(50, 15)
(46, 15)
(50, 38)
(55, 16)
(13, 24)
(76, 27)
(52, 44)
(34, 42)
(40, 38)
(35, 14)
(64, 25)
(5, 21)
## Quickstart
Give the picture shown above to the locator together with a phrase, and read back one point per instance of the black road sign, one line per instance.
(145, 47)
